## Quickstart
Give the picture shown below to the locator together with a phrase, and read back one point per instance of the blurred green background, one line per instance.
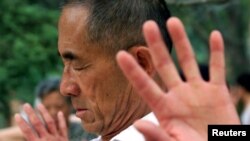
(28, 41)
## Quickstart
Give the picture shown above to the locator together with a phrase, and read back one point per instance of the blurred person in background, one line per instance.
(48, 94)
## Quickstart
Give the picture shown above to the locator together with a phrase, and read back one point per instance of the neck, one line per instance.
(124, 125)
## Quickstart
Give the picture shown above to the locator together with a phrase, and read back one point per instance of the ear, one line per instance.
(143, 57)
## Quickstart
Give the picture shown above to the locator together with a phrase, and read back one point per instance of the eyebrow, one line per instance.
(69, 55)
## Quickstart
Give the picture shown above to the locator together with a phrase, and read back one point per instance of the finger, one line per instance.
(184, 51)
(142, 83)
(62, 125)
(160, 55)
(35, 121)
(151, 132)
(217, 61)
(25, 128)
(49, 121)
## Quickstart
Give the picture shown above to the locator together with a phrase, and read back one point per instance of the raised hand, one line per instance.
(186, 109)
(42, 131)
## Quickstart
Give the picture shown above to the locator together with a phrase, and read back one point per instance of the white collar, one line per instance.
(131, 133)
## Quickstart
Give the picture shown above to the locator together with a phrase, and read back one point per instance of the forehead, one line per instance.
(73, 31)
(72, 25)
(73, 38)
(53, 97)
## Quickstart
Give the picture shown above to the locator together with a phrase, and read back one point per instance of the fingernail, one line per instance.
(60, 113)
(40, 106)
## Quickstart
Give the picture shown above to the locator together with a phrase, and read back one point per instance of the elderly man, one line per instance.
(91, 33)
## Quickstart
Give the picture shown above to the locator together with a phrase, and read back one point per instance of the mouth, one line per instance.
(81, 112)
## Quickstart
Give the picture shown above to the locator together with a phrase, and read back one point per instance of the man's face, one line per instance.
(102, 96)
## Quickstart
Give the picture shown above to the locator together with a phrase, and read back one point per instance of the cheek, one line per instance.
(103, 93)
(102, 89)
(109, 93)
(100, 94)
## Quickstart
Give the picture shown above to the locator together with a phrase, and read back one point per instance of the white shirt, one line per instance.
(245, 116)
(131, 133)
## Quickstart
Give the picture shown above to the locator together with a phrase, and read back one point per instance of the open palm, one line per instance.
(186, 109)
(37, 131)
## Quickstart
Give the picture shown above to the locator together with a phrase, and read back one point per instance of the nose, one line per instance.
(69, 85)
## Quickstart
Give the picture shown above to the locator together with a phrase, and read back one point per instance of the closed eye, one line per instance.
(82, 67)
(79, 69)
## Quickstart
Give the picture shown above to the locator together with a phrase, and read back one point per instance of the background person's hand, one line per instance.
(186, 109)
(38, 131)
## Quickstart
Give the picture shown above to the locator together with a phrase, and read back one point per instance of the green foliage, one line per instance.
(28, 49)
(227, 16)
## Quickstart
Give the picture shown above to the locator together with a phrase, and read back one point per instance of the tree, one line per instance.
(28, 49)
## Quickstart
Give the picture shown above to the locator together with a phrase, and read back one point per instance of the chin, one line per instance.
(94, 127)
